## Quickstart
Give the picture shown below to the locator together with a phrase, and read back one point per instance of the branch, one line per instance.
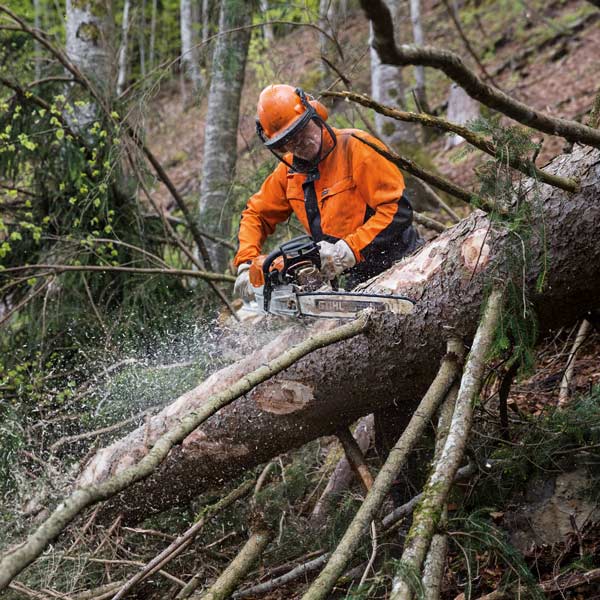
(238, 568)
(527, 167)
(355, 457)
(452, 65)
(24, 302)
(13, 562)
(447, 373)
(427, 515)
(389, 522)
(184, 540)
(162, 175)
(433, 569)
(206, 234)
(119, 269)
(69, 439)
(296, 573)
(428, 222)
(565, 384)
(435, 180)
(171, 231)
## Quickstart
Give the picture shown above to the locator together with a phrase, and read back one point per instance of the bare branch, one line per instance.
(49, 269)
(239, 567)
(452, 65)
(184, 540)
(427, 515)
(479, 141)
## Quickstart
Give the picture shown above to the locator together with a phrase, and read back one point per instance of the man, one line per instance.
(346, 195)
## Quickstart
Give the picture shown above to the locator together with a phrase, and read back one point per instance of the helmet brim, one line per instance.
(283, 137)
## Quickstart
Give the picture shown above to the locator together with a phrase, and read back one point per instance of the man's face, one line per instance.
(306, 143)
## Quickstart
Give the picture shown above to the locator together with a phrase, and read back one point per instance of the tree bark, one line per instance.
(387, 87)
(189, 53)
(89, 40)
(122, 75)
(220, 135)
(89, 45)
(419, 39)
(394, 362)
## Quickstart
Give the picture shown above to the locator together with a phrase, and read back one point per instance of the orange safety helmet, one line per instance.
(283, 111)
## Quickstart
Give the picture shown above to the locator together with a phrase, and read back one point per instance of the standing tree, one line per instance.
(122, 74)
(387, 87)
(220, 134)
(417, 26)
(189, 51)
(89, 41)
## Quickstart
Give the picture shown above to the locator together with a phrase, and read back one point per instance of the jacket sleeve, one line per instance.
(263, 211)
(381, 185)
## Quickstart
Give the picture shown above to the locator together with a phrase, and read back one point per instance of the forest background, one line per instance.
(127, 152)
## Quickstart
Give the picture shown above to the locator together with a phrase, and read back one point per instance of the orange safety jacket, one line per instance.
(355, 194)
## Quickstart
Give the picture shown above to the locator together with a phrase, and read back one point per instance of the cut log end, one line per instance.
(282, 397)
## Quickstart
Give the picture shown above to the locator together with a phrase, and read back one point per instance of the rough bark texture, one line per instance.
(387, 87)
(89, 37)
(394, 362)
(220, 134)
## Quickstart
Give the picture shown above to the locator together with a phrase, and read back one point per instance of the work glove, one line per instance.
(335, 258)
(242, 287)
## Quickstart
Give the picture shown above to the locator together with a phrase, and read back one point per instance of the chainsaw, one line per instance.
(289, 282)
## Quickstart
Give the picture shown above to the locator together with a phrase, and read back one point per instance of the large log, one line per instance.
(394, 362)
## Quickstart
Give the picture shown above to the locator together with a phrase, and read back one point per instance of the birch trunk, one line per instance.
(387, 87)
(152, 49)
(142, 40)
(220, 134)
(267, 29)
(394, 363)
(122, 76)
(36, 45)
(417, 27)
(89, 40)
(189, 53)
(205, 19)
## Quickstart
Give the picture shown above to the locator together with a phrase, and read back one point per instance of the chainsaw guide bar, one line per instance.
(289, 282)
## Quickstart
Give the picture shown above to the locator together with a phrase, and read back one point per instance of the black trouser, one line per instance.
(378, 260)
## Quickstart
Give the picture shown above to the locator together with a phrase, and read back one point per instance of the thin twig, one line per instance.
(184, 540)
(51, 269)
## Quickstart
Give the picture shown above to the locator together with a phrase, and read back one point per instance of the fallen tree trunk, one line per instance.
(394, 362)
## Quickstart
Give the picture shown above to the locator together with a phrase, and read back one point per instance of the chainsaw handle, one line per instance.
(270, 258)
(268, 285)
